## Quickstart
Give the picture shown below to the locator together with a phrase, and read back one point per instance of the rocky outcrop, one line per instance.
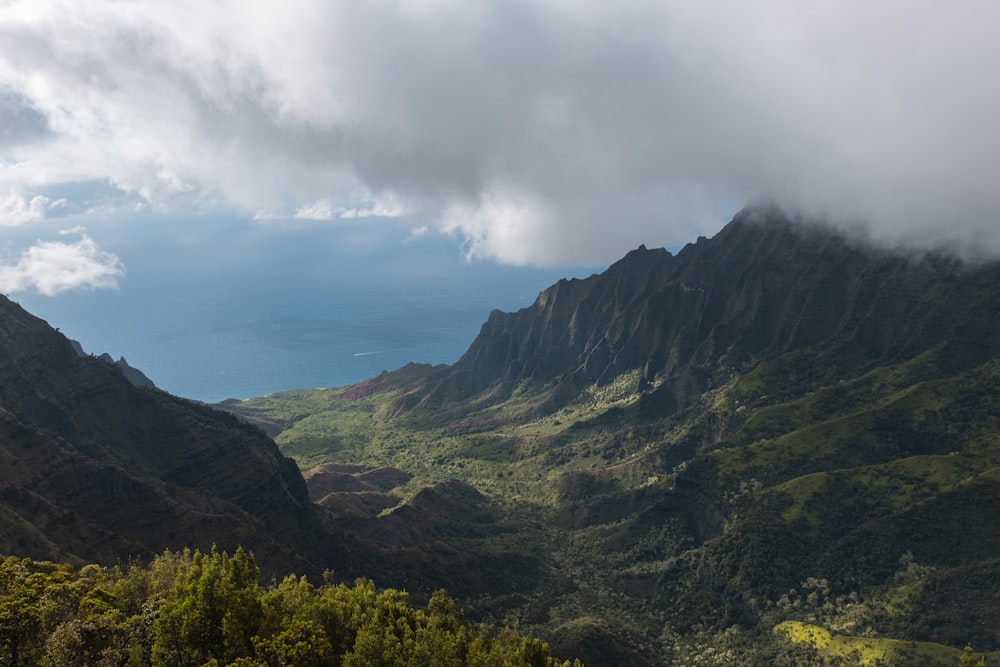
(132, 374)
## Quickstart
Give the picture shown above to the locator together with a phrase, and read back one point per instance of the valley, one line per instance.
(776, 447)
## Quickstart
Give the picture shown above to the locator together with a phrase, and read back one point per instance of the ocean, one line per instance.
(212, 309)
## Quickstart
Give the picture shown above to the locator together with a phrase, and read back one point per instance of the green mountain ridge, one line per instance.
(678, 449)
(778, 446)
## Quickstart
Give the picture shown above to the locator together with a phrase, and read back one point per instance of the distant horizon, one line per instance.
(217, 309)
(211, 312)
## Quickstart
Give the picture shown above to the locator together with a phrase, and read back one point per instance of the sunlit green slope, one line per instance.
(676, 457)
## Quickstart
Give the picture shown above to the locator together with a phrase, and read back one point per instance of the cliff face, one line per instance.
(95, 468)
(765, 285)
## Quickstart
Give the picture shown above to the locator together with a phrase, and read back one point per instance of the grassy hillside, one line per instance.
(702, 458)
(651, 539)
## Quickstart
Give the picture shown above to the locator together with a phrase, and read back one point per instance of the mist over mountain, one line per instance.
(773, 436)
(765, 286)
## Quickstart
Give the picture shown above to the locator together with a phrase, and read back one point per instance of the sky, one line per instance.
(529, 133)
(216, 311)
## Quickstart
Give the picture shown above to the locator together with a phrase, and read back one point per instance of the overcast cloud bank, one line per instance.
(545, 132)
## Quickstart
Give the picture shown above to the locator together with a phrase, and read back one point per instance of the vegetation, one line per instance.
(864, 485)
(772, 448)
(208, 609)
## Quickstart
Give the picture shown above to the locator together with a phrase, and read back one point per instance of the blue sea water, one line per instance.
(218, 308)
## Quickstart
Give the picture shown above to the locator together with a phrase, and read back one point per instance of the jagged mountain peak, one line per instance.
(766, 284)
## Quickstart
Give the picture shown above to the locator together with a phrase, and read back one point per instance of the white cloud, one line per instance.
(325, 209)
(544, 131)
(318, 210)
(51, 268)
(16, 210)
(502, 226)
(264, 216)
(379, 209)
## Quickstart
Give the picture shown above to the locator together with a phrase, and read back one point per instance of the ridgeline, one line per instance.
(778, 446)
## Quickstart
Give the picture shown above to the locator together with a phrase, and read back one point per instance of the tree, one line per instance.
(34, 598)
(211, 611)
(299, 644)
(207, 610)
(968, 659)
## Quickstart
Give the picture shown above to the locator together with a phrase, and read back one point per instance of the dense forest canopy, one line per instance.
(194, 608)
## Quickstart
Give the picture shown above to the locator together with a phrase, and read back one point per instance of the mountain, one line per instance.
(776, 433)
(778, 446)
(98, 469)
(764, 286)
(132, 374)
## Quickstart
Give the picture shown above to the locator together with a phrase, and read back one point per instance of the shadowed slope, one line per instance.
(95, 468)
